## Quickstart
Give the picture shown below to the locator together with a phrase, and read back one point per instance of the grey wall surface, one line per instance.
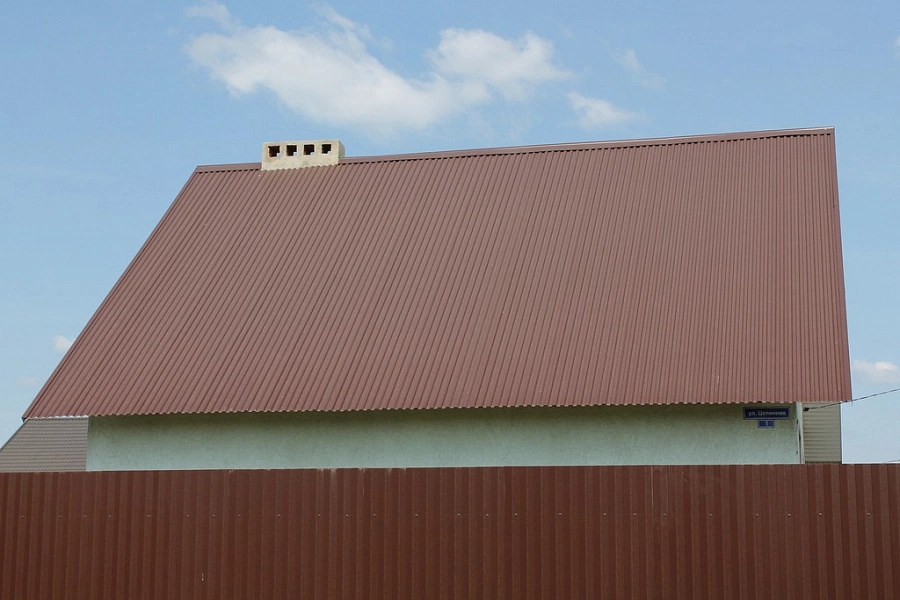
(600, 435)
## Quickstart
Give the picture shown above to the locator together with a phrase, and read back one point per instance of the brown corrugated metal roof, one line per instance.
(682, 270)
(55, 444)
(753, 532)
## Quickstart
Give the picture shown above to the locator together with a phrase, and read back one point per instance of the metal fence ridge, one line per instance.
(761, 531)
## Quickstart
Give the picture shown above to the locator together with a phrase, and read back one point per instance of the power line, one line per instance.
(806, 408)
(876, 394)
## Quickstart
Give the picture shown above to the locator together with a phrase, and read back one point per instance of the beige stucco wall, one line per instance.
(602, 435)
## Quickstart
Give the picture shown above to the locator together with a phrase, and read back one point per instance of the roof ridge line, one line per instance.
(594, 145)
(559, 147)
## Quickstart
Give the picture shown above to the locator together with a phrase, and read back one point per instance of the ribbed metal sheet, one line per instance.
(687, 270)
(813, 531)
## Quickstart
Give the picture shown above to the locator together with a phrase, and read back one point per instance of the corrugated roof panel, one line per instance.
(765, 531)
(685, 270)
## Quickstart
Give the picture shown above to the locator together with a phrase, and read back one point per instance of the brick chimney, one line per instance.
(301, 154)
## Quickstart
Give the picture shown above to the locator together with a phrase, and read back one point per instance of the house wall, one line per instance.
(600, 435)
(821, 423)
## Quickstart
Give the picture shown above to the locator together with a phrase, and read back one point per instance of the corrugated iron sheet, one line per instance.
(687, 270)
(813, 531)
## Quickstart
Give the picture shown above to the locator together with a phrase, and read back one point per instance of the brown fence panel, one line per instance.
(800, 531)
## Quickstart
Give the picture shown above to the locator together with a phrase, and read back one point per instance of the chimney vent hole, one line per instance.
(299, 154)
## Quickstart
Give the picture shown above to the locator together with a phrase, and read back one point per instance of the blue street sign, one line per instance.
(767, 413)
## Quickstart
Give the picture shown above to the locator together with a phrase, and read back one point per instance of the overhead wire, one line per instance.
(807, 408)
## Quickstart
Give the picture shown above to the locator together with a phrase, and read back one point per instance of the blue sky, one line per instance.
(106, 108)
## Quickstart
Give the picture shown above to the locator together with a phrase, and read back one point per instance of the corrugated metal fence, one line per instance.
(802, 531)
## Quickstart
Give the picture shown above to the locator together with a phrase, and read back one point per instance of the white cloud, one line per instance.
(897, 46)
(880, 371)
(61, 343)
(485, 58)
(26, 382)
(595, 113)
(328, 74)
(214, 11)
(628, 59)
(335, 18)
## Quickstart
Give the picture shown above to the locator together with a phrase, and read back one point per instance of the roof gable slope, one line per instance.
(687, 270)
(46, 445)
